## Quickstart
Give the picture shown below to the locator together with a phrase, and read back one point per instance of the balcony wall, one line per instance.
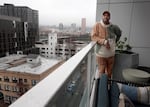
(68, 86)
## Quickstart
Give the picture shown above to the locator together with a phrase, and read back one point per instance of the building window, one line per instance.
(6, 79)
(25, 80)
(14, 89)
(14, 99)
(66, 49)
(14, 23)
(7, 87)
(25, 89)
(0, 79)
(20, 80)
(34, 82)
(21, 89)
(14, 79)
(7, 98)
(66, 54)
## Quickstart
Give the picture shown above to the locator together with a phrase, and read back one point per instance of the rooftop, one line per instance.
(18, 63)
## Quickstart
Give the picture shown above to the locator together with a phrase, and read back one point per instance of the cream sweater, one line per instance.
(102, 33)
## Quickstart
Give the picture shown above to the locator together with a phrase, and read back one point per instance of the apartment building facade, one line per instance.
(18, 29)
(59, 46)
(19, 73)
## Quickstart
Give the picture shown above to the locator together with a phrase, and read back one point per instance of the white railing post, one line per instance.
(89, 69)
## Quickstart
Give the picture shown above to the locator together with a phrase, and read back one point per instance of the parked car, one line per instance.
(71, 87)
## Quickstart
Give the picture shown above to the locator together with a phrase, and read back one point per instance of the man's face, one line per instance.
(106, 18)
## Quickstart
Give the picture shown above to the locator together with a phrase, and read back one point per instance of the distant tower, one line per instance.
(61, 26)
(73, 27)
(83, 25)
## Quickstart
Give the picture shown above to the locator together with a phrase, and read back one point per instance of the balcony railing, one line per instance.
(70, 85)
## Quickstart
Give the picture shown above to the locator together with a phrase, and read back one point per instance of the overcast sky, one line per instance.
(52, 12)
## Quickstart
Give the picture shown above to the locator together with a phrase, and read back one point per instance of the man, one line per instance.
(105, 34)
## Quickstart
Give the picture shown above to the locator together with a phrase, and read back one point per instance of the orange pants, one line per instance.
(105, 65)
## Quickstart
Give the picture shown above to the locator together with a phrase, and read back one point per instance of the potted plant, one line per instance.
(124, 58)
(123, 47)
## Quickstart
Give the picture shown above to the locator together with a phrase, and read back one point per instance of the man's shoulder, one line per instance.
(115, 26)
(99, 24)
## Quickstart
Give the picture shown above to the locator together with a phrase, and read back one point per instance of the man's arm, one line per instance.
(118, 32)
(95, 35)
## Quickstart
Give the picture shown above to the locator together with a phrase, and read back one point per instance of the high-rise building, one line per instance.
(73, 27)
(83, 25)
(61, 26)
(18, 29)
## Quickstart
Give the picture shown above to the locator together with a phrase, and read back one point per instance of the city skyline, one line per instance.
(53, 12)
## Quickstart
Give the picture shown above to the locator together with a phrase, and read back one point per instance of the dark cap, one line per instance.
(106, 12)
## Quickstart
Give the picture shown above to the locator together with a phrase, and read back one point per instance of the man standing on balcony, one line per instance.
(106, 35)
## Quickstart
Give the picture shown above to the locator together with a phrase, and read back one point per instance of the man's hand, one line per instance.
(106, 44)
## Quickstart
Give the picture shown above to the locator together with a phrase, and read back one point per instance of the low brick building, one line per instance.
(19, 73)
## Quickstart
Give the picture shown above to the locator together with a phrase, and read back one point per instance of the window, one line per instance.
(14, 99)
(25, 89)
(20, 80)
(7, 98)
(6, 79)
(34, 82)
(14, 23)
(14, 79)
(25, 80)
(7, 87)
(14, 89)
(21, 89)
(66, 49)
